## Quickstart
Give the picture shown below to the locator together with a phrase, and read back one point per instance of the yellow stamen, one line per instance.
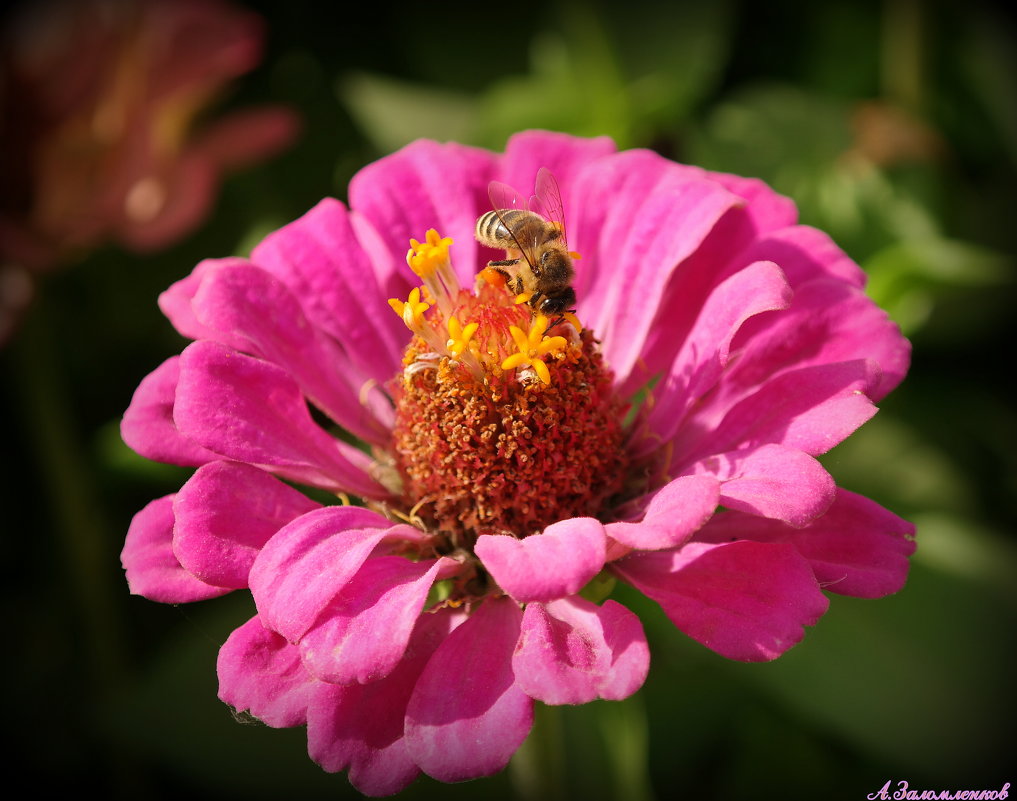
(523, 297)
(532, 347)
(571, 318)
(427, 257)
(459, 337)
(412, 310)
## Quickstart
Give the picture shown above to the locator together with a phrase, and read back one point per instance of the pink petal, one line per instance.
(224, 514)
(805, 253)
(744, 600)
(364, 632)
(651, 216)
(674, 514)
(467, 715)
(810, 409)
(252, 411)
(148, 427)
(556, 563)
(829, 321)
(771, 481)
(251, 304)
(341, 289)
(360, 727)
(426, 185)
(767, 209)
(260, 672)
(572, 652)
(247, 136)
(758, 288)
(175, 303)
(857, 548)
(565, 156)
(152, 569)
(307, 563)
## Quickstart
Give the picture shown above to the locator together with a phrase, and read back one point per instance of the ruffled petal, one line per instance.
(364, 632)
(650, 216)
(856, 548)
(556, 563)
(224, 514)
(252, 305)
(152, 569)
(176, 302)
(565, 156)
(810, 409)
(572, 652)
(426, 185)
(252, 411)
(307, 563)
(261, 673)
(674, 514)
(771, 481)
(148, 427)
(704, 354)
(326, 263)
(359, 727)
(767, 209)
(828, 321)
(467, 715)
(805, 253)
(745, 600)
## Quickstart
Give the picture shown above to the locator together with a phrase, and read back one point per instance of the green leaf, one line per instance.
(911, 278)
(918, 679)
(393, 113)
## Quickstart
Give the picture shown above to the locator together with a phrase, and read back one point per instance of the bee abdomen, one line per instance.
(491, 228)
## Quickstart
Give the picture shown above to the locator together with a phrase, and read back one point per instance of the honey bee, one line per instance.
(538, 263)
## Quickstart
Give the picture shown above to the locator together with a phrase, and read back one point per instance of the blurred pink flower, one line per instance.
(99, 131)
(503, 498)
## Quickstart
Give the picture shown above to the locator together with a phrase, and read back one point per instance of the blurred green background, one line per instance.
(893, 125)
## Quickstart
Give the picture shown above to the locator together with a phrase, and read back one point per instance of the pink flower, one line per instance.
(415, 632)
(99, 136)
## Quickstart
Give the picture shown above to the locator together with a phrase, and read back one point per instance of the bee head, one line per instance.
(558, 302)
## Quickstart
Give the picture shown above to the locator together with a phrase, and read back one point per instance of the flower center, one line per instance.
(500, 427)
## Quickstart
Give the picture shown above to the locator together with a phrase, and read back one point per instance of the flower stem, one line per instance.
(623, 726)
(537, 770)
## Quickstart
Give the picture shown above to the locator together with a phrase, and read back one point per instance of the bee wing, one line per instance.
(547, 201)
(505, 198)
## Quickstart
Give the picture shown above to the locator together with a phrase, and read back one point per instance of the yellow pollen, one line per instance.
(492, 277)
(459, 337)
(532, 347)
(412, 310)
(427, 257)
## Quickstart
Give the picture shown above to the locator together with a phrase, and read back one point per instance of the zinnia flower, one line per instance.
(510, 465)
(99, 127)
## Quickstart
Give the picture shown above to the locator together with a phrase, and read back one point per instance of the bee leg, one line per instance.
(503, 263)
(560, 318)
